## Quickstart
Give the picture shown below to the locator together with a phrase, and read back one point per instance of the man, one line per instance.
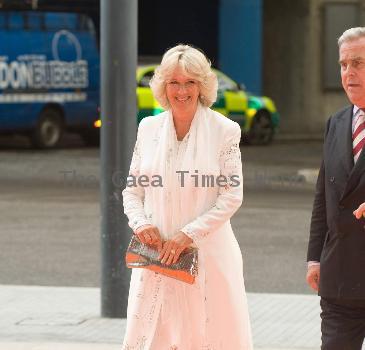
(336, 250)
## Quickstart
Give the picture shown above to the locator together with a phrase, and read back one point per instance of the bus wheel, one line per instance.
(49, 129)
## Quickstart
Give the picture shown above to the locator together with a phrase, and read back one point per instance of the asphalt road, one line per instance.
(50, 227)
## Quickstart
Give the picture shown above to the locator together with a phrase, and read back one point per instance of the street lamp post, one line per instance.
(118, 115)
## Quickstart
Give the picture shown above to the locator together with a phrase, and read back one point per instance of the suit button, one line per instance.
(332, 178)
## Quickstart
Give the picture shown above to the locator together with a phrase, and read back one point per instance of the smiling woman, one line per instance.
(187, 143)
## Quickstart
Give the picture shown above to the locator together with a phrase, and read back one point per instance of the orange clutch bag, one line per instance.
(141, 255)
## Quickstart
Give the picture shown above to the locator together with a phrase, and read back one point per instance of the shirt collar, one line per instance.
(355, 109)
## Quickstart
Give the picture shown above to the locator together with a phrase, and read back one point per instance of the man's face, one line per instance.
(352, 62)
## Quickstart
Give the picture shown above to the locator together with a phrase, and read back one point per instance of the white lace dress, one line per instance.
(211, 314)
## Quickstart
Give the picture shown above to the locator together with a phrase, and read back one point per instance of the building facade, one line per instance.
(284, 49)
(300, 59)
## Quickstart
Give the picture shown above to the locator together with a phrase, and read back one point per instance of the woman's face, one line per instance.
(182, 92)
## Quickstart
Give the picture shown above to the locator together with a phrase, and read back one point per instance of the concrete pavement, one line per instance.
(58, 318)
(79, 346)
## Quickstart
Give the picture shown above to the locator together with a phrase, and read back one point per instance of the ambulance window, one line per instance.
(225, 84)
(145, 81)
(16, 20)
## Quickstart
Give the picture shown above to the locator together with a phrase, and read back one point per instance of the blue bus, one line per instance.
(49, 76)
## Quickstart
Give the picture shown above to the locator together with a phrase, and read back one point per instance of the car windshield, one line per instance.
(145, 80)
(226, 84)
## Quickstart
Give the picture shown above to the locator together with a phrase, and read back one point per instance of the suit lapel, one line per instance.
(344, 140)
(357, 169)
(355, 174)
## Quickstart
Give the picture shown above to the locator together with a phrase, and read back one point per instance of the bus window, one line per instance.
(86, 24)
(54, 21)
(2, 20)
(34, 21)
(15, 20)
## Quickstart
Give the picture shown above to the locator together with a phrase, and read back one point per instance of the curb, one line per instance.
(309, 175)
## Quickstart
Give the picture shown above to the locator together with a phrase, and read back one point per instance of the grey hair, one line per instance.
(351, 34)
(195, 64)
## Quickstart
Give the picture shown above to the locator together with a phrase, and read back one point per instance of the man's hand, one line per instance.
(173, 247)
(149, 234)
(360, 211)
(313, 274)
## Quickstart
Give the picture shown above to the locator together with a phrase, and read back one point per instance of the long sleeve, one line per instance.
(229, 197)
(133, 194)
(318, 227)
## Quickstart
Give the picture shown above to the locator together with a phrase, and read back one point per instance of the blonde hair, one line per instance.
(195, 64)
(351, 34)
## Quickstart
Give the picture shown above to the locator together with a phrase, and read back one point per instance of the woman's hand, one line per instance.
(149, 234)
(360, 211)
(173, 247)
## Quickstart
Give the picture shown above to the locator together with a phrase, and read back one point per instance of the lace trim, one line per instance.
(141, 343)
(189, 231)
(232, 149)
(136, 160)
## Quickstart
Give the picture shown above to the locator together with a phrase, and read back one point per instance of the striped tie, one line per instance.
(358, 137)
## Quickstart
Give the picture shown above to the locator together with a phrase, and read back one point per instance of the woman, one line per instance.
(183, 147)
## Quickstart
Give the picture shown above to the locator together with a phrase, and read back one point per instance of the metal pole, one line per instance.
(118, 116)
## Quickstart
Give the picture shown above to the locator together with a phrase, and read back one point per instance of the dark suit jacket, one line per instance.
(337, 238)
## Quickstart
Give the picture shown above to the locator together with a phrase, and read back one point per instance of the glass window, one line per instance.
(337, 18)
(226, 84)
(2, 20)
(86, 24)
(15, 20)
(55, 21)
(145, 81)
(34, 20)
